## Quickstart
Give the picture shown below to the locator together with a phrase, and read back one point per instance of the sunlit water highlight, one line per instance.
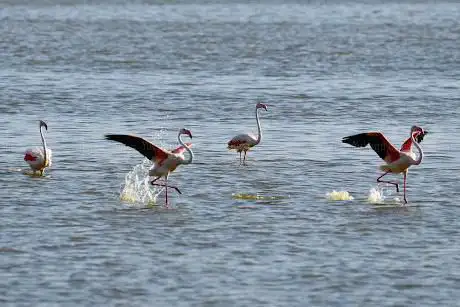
(339, 195)
(248, 196)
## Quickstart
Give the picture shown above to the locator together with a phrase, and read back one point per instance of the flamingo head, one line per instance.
(185, 131)
(43, 124)
(260, 105)
(419, 133)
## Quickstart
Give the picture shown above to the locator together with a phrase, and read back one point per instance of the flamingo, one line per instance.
(39, 158)
(397, 161)
(244, 142)
(165, 162)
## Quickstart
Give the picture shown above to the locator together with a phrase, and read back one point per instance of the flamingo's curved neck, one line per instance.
(259, 130)
(190, 159)
(44, 145)
(420, 156)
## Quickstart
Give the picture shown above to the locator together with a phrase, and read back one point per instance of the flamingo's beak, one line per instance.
(43, 124)
(189, 133)
(420, 136)
(261, 105)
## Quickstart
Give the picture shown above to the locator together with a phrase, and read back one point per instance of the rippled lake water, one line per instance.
(261, 235)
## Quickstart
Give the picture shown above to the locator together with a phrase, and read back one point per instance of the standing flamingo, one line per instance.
(397, 161)
(165, 161)
(39, 158)
(244, 142)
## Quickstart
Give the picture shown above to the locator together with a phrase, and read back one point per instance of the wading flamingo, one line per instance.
(165, 162)
(244, 142)
(39, 158)
(397, 161)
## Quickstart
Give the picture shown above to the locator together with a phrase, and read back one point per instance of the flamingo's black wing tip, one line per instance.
(112, 137)
(357, 140)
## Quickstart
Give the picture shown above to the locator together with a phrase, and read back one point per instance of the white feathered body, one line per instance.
(169, 165)
(35, 157)
(242, 142)
(164, 167)
(405, 160)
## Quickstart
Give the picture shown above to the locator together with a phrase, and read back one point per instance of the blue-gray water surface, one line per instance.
(325, 69)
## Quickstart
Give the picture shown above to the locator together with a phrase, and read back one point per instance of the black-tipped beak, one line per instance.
(420, 136)
(43, 124)
(190, 134)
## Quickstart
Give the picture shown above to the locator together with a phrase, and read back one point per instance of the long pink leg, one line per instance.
(163, 185)
(390, 182)
(244, 159)
(240, 157)
(169, 186)
(166, 186)
(405, 179)
(151, 182)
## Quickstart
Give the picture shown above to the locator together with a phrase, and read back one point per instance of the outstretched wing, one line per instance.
(378, 142)
(181, 149)
(146, 148)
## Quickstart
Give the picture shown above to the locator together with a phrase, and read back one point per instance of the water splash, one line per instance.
(375, 196)
(137, 188)
(339, 195)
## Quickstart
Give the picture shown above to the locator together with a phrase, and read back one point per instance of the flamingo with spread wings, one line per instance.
(165, 162)
(397, 161)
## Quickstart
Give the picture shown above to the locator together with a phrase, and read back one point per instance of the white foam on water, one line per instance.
(14, 169)
(339, 195)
